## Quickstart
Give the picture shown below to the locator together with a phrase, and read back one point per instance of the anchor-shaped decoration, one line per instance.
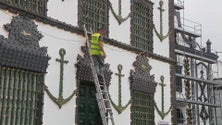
(160, 35)
(118, 17)
(162, 113)
(60, 100)
(119, 108)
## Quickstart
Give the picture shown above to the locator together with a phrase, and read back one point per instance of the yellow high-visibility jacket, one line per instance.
(94, 46)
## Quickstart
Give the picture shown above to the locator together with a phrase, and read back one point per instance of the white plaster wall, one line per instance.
(116, 56)
(120, 32)
(161, 48)
(5, 17)
(65, 11)
(161, 69)
(55, 39)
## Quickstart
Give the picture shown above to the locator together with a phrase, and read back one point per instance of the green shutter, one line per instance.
(19, 96)
(142, 109)
(88, 107)
(94, 13)
(142, 25)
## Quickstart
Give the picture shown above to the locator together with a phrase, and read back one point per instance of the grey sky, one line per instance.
(209, 14)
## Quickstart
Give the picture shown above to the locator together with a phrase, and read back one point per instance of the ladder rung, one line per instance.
(108, 109)
(104, 91)
(109, 118)
(108, 106)
(106, 99)
(101, 85)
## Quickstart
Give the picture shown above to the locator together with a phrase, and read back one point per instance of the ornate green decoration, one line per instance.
(160, 35)
(119, 108)
(60, 100)
(188, 90)
(162, 113)
(119, 17)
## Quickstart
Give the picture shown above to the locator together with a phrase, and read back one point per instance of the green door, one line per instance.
(88, 108)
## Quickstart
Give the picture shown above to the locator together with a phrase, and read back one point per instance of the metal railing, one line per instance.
(188, 26)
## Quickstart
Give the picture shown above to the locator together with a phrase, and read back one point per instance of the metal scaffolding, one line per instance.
(197, 96)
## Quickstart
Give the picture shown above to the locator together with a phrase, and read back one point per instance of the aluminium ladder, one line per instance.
(101, 88)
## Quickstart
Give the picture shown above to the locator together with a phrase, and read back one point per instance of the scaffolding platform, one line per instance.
(187, 32)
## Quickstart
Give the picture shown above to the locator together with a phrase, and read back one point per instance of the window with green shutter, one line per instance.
(142, 25)
(22, 70)
(142, 85)
(20, 97)
(142, 109)
(93, 13)
(33, 6)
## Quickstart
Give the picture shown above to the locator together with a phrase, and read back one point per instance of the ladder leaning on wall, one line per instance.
(101, 89)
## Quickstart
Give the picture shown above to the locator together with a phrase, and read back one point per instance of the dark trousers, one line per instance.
(99, 65)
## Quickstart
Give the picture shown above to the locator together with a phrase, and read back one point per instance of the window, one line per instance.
(142, 25)
(142, 109)
(33, 6)
(20, 97)
(93, 13)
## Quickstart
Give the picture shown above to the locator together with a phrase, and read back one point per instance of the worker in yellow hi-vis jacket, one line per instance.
(97, 52)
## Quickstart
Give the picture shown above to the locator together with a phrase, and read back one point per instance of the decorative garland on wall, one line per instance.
(118, 17)
(119, 108)
(188, 91)
(60, 100)
(160, 35)
(161, 112)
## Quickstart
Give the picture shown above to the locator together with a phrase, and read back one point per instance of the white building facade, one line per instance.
(45, 74)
